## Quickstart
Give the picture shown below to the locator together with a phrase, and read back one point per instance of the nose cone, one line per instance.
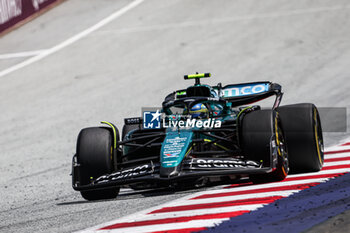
(174, 148)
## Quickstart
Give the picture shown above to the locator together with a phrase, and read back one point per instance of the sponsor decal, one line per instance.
(173, 146)
(243, 90)
(170, 162)
(132, 121)
(223, 163)
(128, 173)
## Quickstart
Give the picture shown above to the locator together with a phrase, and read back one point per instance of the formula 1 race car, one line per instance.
(201, 132)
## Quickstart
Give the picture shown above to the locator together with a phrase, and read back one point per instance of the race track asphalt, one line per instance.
(133, 62)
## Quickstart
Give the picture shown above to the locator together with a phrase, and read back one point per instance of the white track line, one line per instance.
(234, 197)
(169, 226)
(345, 162)
(21, 54)
(73, 39)
(337, 147)
(325, 172)
(189, 213)
(223, 20)
(338, 155)
(262, 186)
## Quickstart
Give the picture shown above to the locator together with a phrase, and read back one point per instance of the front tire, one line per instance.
(258, 128)
(95, 156)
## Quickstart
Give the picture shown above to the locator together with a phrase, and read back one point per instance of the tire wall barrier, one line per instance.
(13, 12)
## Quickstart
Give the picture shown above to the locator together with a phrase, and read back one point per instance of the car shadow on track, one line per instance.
(136, 195)
(130, 194)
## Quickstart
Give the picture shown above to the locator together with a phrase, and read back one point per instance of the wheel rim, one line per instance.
(318, 137)
(281, 147)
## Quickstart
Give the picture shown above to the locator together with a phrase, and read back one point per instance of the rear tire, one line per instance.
(302, 129)
(95, 156)
(258, 127)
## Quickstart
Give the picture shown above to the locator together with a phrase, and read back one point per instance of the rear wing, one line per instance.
(239, 94)
(245, 93)
(243, 90)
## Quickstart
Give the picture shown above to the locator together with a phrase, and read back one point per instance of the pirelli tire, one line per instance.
(95, 156)
(258, 128)
(303, 131)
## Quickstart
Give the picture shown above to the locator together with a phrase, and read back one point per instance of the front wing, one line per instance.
(191, 168)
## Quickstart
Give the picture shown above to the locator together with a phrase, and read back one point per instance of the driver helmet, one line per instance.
(199, 111)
